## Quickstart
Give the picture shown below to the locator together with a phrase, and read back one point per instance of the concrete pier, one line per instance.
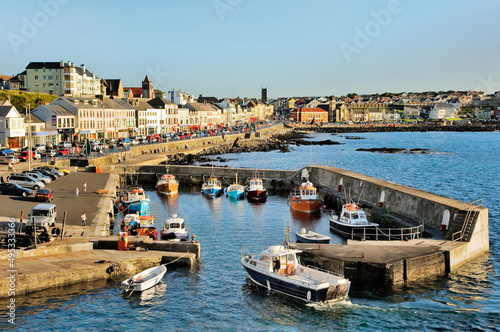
(46, 270)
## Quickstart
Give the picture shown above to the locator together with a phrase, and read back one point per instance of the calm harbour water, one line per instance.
(217, 296)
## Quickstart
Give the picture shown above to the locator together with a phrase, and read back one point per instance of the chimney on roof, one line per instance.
(70, 64)
(83, 68)
(61, 64)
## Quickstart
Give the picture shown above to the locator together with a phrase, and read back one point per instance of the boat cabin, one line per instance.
(277, 259)
(135, 194)
(256, 183)
(213, 182)
(175, 223)
(353, 215)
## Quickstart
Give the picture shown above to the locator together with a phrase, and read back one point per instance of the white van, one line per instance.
(43, 216)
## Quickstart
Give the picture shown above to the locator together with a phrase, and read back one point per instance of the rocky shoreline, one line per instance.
(278, 142)
(298, 134)
(349, 129)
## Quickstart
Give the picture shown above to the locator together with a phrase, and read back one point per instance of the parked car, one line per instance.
(11, 159)
(49, 153)
(25, 155)
(6, 152)
(7, 188)
(63, 151)
(39, 176)
(64, 170)
(51, 169)
(51, 175)
(44, 195)
(26, 181)
(40, 147)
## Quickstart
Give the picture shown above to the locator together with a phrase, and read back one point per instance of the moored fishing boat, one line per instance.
(279, 269)
(136, 200)
(211, 188)
(255, 191)
(305, 199)
(144, 280)
(174, 229)
(311, 237)
(352, 222)
(167, 185)
(236, 190)
(139, 225)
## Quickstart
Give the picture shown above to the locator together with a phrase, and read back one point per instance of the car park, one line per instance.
(7, 188)
(64, 145)
(38, 176)
(40, 147)
(26, 181)
(26, 155)
(44, 195)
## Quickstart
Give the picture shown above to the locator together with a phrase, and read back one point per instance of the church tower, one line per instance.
(147, 88)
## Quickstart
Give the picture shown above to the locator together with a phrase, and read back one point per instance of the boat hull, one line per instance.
(256, 195)
(211, 192)
(305, 205)
(144, 280)
(308, 294)
(141, 206)
(356, 231)
(168, 188)
(236, 194)
(183, 236)
(305, 239)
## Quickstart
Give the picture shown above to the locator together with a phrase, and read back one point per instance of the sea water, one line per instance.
(216, 295)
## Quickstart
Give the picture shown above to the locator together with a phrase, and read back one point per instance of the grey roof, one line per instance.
(4, 110)
(55, 109)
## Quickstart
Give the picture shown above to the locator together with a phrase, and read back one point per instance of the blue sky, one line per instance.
(229, 48)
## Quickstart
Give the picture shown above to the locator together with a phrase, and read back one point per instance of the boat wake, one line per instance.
(326, 306)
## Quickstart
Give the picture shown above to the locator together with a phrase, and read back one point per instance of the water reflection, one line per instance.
(154, 295)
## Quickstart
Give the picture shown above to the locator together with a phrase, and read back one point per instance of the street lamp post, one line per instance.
(30, 153)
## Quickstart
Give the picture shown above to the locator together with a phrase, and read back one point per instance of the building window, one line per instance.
(50, 77)
(36, 77)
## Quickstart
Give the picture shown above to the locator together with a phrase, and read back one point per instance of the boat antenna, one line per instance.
(287, 237)
(360, 194)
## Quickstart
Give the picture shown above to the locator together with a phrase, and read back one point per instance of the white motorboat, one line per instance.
(311, 237)
(279, 269)
(352, 222)
(174, 229)
(144, 280)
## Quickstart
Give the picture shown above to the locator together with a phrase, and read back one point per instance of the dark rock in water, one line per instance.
(383, 150)
(354, 137)
(396, 150)
(299, 142)
(420, 151)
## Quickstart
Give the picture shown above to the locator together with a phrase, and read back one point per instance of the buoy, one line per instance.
(380, 204)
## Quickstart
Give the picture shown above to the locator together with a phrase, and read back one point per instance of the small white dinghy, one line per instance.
(144, 280)
(311, 237)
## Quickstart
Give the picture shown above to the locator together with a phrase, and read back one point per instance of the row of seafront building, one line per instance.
(93, 108)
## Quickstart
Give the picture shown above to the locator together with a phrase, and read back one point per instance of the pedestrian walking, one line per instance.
(21, 217)
(84, 219)
(119, 160)
(77, 191)
(84, 186)
(124, 158)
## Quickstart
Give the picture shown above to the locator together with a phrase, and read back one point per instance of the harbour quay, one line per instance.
(452, 232)
(83, 253)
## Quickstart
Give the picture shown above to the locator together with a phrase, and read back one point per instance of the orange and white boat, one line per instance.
(305, 199)
(167, 185)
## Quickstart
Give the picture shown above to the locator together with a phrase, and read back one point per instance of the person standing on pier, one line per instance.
(77, 192)
(84, 219)
(84, 186)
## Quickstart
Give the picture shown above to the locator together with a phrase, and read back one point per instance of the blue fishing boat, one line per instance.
(236, 190)
(135, 200)
(212, 188)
